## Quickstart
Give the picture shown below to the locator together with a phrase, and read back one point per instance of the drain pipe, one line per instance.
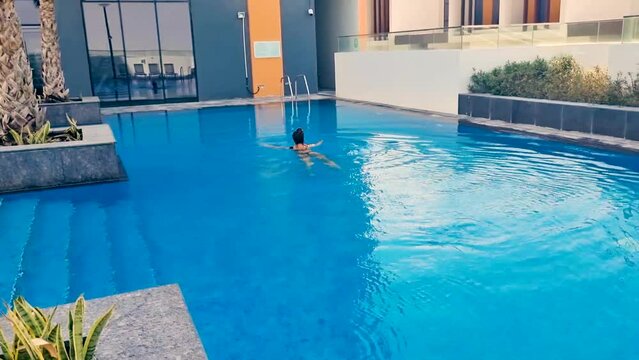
(242, 16)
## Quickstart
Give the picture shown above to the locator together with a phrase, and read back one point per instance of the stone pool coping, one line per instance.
(146, 325)
(205, 104)
(579, 138)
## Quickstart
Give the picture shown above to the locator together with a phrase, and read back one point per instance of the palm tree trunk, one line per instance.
(54, 88)
(19, 108)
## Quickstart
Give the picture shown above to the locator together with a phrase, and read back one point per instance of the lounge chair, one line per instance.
(154, 70)
(139, 71)
(169, 71)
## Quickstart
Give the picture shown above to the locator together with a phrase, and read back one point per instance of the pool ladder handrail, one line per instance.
(286, 80)
(308, 91)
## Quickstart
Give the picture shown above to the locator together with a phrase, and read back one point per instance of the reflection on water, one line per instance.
(433, 240)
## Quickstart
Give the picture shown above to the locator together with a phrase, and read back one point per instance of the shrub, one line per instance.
(560, 78)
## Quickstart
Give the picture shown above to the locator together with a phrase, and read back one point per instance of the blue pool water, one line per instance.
(433, 240)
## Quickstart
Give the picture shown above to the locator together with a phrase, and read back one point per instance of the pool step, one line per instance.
(44, 277)
(90, 253)
(131, 259)
(16, 219)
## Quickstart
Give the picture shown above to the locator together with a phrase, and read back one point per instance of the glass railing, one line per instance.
(494, 36)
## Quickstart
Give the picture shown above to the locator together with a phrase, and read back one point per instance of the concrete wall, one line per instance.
(333, 18)
(217, 35)
(414, 15)
(432, 79)
(75, 63)
(589, 10)
(298, 41)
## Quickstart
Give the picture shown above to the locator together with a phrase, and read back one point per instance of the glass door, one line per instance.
(140, 51)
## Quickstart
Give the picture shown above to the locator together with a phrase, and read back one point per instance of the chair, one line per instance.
(138, 70)
(169, 71)
(154, 70)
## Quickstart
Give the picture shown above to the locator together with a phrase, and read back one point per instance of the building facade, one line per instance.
(150, 51)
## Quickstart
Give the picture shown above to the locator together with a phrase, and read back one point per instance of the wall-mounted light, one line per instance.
(311, 7)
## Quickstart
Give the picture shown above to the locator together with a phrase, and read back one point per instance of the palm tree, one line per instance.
(19, 110)
(52, 75)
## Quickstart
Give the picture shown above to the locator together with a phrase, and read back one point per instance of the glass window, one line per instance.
(109, 74)
(140, 50)
(28, 12)
(177, 50)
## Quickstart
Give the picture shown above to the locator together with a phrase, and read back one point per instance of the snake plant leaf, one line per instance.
(78, 320)
(71, 347)
(91, 341)
(59, 344)
(24, 338)
(49, 326)
(25, 312)
(7, 349)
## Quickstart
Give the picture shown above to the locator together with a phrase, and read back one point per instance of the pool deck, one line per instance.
(205, 104)
(584, 139)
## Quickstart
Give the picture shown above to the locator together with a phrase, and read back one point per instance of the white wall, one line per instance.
(416, 14)
(589, 10)
(432, 79)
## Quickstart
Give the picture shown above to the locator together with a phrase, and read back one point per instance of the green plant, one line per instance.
(40, 136)
(36, 337)
(560, 78)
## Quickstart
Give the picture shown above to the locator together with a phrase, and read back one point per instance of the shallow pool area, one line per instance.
(433, 240)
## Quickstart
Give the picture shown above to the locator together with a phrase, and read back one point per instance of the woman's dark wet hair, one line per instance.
(298, 136)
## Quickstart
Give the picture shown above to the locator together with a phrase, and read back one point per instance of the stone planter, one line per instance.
(616, 121)
(85, 111)
(92, 160)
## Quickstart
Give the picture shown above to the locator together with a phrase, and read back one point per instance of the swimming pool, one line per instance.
(433, 241)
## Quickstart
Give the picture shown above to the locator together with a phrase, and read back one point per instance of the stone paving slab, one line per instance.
(147, 325)
(600, 141)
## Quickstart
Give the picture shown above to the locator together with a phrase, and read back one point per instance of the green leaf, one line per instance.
(78, 319)
(94, 334)
(7, 350)
(71, 347)
(59, 344)
(26, 313)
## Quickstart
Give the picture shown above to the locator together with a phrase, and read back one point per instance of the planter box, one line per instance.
(616, 121)
(92, 160)
(85, 112)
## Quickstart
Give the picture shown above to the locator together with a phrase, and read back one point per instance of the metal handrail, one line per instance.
(287, 82)
(308, 91)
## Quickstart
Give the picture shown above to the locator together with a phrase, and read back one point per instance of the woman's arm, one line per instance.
(316, 144)
(275, 146)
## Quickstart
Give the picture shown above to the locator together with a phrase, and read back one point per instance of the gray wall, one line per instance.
(334, 18)
(217, 35)
(75, 62)
(298, 41)
(217, 38)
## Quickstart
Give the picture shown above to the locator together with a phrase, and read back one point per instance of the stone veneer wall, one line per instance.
(92, 160)
(615, 121)
(146, 325)
(85, 112)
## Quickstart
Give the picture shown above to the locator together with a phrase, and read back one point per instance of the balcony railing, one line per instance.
(624, 30)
